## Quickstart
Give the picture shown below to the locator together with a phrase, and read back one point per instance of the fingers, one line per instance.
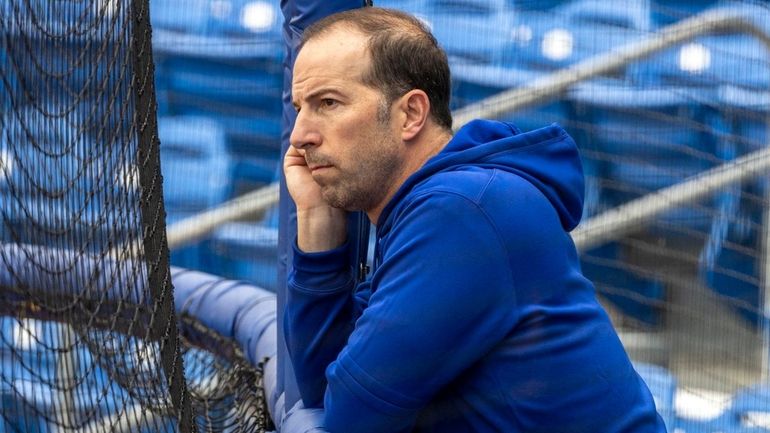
(294, 157)
(294, 152)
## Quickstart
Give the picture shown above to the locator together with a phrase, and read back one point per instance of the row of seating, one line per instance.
(219, 81)
(33, 357)
(45, 365)
(197, 171)
(516, 43)
(635, 140)
(745, 411)
(217, 62)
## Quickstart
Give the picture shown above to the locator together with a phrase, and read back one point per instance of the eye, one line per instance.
(328, 102)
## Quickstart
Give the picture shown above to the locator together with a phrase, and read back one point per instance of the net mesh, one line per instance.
(82, 210)
(90, 340)
(219, 78)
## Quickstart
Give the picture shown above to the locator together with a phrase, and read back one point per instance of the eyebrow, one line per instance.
(318, 92)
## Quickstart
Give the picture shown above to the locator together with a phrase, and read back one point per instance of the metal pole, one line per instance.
(66, 378)
(552, 85)
(126, 420)
(765, 279)
(198, 226)
(538, 91)
(622, 220)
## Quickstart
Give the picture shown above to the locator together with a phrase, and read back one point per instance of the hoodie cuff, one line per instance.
(325, 271)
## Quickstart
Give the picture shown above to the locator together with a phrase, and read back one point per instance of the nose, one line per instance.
(305, 133)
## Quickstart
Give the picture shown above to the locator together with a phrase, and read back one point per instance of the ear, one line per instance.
(415, 106)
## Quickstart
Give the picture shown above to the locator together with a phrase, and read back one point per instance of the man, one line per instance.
(476, 317)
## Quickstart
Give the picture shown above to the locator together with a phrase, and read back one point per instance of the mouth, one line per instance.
(316, 168)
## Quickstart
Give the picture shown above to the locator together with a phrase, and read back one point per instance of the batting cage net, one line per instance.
(668, 101)
(89, 339)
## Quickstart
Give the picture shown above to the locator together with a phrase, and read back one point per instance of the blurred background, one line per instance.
(685, 282)
(686, 289)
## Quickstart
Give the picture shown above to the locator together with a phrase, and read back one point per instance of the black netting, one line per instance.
(89, 340)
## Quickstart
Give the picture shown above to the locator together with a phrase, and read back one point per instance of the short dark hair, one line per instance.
(404, 53)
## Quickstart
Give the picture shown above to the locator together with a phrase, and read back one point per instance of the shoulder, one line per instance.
(500, 204)
(497, 202)
(499, 193)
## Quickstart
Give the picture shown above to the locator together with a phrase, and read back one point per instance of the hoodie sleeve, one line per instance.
(442, 298)
(319, 316)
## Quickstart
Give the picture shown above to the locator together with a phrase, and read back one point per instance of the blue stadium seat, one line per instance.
(192, 16)
(720, 424)
(39, 150)
(640, 136)
(226, 64)
(473, 83)
(244, 95)
(54, 18)
(46, 167)
(196, 173)
(29, 373)
(748, 412)
(228, 18)
(247, 251)
(250, 174)
(574, 31)
(194, 162)
(529, 5)
(665, 12)
(415, 7)
(64, 59)
(750, 408)
(733, 268)
(639, 143)
(452, 21)
(739, 60)
(634, 14)
(662, 385)
(634, 293)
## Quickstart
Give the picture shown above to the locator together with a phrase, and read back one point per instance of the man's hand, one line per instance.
(320, 227)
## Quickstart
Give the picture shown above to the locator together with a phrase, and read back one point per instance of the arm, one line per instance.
(317, 318)
(320, 227)
(442, 298)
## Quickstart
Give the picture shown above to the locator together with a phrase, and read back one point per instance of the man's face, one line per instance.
(351, 145)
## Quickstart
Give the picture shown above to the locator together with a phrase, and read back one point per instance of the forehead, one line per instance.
(338, 54)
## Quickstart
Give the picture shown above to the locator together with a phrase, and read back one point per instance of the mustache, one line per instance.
(315, 160)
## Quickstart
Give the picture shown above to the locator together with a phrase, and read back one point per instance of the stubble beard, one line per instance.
(367, 185)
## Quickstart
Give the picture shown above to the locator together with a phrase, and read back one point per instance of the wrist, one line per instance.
(321, 228)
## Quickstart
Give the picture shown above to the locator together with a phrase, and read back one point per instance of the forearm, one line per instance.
(319, 316)
(321, 229)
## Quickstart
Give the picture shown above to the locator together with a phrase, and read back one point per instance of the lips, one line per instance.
(315, 168)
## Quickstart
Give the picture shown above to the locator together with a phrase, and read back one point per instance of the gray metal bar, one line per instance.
(765, 284)
(66, 377)
(550, 86)
(540, 90)
(610, 225)
(198, 226)
(622, 220)
(126, 420)
(765, 281)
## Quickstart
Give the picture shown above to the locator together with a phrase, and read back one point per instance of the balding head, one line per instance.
(404, 55)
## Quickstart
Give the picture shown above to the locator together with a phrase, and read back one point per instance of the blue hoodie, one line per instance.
(476, 317)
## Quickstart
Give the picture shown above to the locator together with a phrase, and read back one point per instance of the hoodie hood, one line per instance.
(547, 158)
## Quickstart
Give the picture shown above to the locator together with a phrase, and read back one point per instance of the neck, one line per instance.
(417, 154)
